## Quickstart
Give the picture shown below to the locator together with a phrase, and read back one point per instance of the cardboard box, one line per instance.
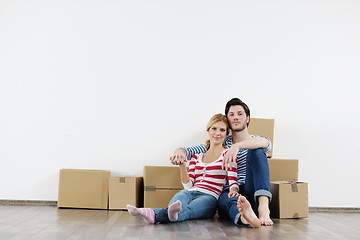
(263, 127)
(160, 185)
(79, 188)
(167, 177)
(283, 169)
(125, 190)
(290, 199)
(158, 198)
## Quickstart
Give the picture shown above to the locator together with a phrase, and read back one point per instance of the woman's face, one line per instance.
(217, 133)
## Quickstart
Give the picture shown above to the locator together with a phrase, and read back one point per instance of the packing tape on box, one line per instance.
(154, 188)
(122, 179)
(294, 187)
(150, 188)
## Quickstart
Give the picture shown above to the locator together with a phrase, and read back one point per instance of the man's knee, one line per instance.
(258, 153)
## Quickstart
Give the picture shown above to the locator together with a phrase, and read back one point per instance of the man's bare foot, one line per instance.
(264, 212)
(264, 216)
(247, 214)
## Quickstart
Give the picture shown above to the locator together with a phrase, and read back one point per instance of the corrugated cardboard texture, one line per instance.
(263, 127)
(80, 188)
(164, 177)
(125, 190)
(158, 198)
(290, 199)
(283, 169)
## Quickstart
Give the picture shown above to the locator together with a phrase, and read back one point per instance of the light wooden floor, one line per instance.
(51, 223)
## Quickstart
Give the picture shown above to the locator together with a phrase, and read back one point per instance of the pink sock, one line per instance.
(173, 210)
(147, 213)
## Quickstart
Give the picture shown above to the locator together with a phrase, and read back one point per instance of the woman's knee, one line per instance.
(182, 195)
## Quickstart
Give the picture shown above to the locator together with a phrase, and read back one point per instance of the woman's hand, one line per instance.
(233, 193)
(178, 157)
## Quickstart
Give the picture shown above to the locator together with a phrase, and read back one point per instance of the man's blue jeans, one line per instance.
(257, 183)
(195, 205)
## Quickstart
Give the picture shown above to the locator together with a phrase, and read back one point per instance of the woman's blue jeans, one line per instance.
(195, 205)
(257, 183)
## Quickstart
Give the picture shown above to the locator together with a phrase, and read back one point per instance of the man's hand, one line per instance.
(230, 157)
(179, 157)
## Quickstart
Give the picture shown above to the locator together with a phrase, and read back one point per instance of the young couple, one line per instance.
(228, 172)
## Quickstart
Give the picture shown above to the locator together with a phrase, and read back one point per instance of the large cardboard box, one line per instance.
(80, 188)
(290, 199)
(283, 169)
(263, 127)
(158, 198)
(164, 177)
(125, 190)
(160, 185)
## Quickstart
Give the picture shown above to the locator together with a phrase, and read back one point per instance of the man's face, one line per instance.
(237, 118)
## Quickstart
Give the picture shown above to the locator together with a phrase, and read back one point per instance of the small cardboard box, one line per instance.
(263, 127)
(79, 188)
(160, 185)
(290, 199)
(283, 169)
(125, 190)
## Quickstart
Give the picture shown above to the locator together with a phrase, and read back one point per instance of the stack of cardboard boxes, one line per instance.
(97, 190)
(290, 197)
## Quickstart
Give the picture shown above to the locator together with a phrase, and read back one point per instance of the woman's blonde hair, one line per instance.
(214, 119)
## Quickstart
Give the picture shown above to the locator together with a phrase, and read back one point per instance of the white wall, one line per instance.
(120, 84)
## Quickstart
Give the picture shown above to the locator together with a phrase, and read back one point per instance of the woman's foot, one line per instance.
(247, 214)
(173, 210)
(146, 213)
(264, 212)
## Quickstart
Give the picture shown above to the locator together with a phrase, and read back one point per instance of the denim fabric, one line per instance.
(227, 207)
(195, 205)
(257, 183)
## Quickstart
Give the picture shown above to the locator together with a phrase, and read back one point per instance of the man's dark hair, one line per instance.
(237, 101)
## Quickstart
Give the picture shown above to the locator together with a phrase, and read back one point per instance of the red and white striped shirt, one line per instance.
(209, 178)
